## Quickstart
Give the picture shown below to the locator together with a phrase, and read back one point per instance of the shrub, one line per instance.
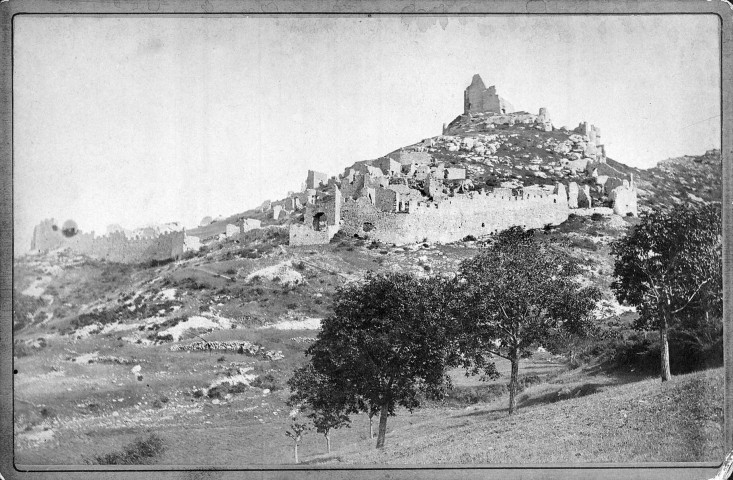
(584, 243)
(139, 452)
(266, 381)
(469, 238)
(475, 394)
(47, 412)
(219, 391)
(596, 217)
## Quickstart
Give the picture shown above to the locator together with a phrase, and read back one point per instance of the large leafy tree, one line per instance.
(513, 295)
(670, 268)
(386, 345)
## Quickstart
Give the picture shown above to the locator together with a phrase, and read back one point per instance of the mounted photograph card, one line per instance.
(366, 239)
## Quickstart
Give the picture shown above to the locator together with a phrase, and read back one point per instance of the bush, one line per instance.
(596, 217)
(139, 452)
(266, 381)
(475, 394)
(584, 243)
(689, 351)
(469, 238)
(221, 390)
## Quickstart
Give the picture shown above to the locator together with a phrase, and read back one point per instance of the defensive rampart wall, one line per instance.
(453, 218)
(115, 247)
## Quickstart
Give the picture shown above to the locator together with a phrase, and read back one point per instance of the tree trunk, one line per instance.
(296, 452)
(513, 381)
(371, 427)
(382, 426)
(664, 343)
(328, 442)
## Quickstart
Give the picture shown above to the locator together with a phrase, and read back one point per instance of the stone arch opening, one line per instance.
(319, 221)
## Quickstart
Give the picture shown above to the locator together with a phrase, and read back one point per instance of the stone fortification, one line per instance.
(114, 247)
(454, 218)
(478, 98)
(432, 190)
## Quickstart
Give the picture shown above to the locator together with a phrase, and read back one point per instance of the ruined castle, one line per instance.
(412, 196)
(428, 192)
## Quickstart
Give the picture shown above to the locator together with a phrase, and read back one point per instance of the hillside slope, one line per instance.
(681, 420)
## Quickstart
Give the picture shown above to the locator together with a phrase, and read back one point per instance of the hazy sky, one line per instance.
(137, 120)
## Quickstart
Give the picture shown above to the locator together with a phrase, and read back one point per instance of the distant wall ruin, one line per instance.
(114, 247)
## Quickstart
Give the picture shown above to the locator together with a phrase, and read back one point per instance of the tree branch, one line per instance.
(691, 296)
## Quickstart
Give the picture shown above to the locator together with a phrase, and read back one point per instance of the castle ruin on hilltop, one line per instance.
(477, 98)
(412, 195)
(430, 191)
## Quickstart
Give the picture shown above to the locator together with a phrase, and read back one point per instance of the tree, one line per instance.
(327, 406)
(386, 345)
(512, 296)
(296, 432)
(670, 268)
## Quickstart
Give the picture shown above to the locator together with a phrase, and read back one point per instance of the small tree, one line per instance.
(670, 268)
(386, 344)
(328, 406)
(296, 432)
(511, 297)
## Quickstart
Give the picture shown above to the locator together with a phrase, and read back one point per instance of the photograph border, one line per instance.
(9, 9)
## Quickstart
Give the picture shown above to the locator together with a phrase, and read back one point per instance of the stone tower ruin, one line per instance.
(477, 99)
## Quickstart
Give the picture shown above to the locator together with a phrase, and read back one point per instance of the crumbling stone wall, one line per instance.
(625, 200)
(250, 224)
(454, 173)
(115, 247)
(388, 166)
(478, 98)
(231, 230)
(316, 179)
(455, 217)
(305, 235)
(407, 157)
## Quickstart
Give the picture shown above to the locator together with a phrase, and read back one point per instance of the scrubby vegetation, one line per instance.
(140, 452)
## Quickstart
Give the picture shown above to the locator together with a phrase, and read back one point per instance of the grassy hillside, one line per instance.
(566, 421)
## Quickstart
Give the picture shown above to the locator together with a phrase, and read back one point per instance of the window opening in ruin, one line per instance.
(367, 226)
(483, 225)
(319, 221)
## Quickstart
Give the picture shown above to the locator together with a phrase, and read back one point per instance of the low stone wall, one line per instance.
(305, 235)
